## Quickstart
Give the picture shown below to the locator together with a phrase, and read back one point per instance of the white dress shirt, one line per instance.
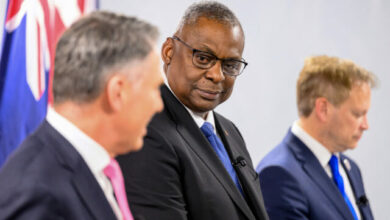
(323, 156)
(199, 119)
(94, 155)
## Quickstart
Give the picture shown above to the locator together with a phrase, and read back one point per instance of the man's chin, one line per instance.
(131, 147)
(137, 146)
(352, 146)
(204, 107)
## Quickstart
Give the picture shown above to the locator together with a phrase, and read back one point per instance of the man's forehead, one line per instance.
(358, 95)
(201, 23)
(220, 39)
(212, 31)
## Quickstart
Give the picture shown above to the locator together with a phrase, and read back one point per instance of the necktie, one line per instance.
(338, 179)
(218, 147)
(114, 173)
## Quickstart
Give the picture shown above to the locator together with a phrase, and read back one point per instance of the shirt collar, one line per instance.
(319, 150)
(95, 156)
(199, 119)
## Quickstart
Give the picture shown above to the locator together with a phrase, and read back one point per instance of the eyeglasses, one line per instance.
(205, 60)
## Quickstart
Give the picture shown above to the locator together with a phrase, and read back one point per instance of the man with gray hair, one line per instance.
(106, 89)
(194, 163)
(307, 176)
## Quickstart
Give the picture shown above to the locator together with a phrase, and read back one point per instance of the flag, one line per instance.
(31, 30)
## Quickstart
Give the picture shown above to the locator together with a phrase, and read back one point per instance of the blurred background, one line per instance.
(279, 35)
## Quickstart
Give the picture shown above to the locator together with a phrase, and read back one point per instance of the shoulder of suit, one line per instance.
(34, 161)
(222, 119)
(279, 156)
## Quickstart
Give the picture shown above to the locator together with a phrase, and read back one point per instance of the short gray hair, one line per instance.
(211, 10)
(92, 47)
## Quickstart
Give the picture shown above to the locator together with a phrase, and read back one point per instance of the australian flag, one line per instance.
(31, 30)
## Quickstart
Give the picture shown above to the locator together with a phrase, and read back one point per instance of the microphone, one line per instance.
(239, 162)
(362, 200)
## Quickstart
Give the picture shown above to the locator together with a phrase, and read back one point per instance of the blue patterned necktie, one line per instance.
(334, 166)
(218, 147)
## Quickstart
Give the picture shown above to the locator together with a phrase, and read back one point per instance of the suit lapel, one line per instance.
(249, 179)
(190, 132)
(353, 179)
(91, 194)
(317, 173)
(83, 180)
(357, 187)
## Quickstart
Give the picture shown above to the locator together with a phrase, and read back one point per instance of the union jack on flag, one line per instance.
(31, 30)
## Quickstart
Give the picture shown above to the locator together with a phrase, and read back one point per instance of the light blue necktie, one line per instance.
(334, 166)
(218, 147)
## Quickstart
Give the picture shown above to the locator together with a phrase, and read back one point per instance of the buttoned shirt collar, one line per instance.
(319, 150)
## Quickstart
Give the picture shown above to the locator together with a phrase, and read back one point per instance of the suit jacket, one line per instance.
(177, 174)
(296, 186)
(46, 178)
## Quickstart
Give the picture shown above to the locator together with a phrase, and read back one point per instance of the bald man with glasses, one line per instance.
(194, 163)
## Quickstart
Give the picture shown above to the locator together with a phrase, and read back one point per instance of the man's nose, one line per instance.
(364, 124)
(215, 73)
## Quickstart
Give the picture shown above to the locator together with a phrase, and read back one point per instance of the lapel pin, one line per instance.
(347, 164)
(226, 133)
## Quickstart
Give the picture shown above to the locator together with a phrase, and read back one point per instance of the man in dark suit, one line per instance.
(194, 163)
(307, 176)
(106, 89)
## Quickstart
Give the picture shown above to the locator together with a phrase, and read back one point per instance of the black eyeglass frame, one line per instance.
(212, 55)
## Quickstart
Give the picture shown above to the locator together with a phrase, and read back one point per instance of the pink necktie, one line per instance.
(114, 173)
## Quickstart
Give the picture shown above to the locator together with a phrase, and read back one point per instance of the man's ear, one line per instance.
(321, 108)
(167, 51)
(115, 92)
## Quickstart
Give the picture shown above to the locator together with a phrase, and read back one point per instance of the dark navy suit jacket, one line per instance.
(296, 186)
(178, 175)
(46, 178)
